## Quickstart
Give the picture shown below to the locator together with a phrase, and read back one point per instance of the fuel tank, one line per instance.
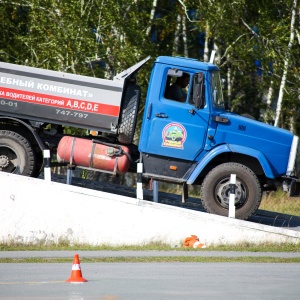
(93, 154)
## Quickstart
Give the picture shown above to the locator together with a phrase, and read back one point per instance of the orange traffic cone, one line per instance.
(76, 275)
(193, 242)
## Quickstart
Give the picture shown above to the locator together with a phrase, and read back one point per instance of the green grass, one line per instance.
(245, 247)
(263, 247)
(280, 202)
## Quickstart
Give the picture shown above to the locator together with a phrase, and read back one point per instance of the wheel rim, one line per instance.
(222, 193)
(9, 160)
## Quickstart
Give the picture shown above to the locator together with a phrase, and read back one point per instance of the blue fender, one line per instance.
(235, 149)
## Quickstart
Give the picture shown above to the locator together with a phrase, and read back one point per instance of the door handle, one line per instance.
(149, 111)
(221, 119)
(162, 115)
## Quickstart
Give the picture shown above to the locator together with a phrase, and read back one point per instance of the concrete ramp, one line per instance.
(37, 211)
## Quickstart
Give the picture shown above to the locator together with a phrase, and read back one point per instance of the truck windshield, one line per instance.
(216, 90)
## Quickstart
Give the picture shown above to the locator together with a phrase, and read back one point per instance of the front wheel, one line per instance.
(215, 190)
(16, 154)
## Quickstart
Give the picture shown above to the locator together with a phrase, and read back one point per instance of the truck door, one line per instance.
(172, 125)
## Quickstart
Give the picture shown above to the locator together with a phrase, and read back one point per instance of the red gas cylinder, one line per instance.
(88, 154)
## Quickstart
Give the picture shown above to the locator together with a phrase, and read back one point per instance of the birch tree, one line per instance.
(102, 37)
(181, 31)
(286, 62)
(153, 9)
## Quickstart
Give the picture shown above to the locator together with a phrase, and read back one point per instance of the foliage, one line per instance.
(251, 39)
(102, 37)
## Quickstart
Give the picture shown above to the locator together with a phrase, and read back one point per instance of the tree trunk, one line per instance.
(229, 83)
(176, 38)
(151, 16)
(268, 112)
(286, 63)
(186, 53)
(206, 46)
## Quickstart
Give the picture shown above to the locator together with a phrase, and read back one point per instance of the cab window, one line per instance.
(216, 90)
(177, 85)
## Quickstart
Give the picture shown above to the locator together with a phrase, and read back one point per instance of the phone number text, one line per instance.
(8, 103)
(71, 113)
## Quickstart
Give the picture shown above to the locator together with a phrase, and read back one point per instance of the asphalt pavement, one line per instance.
(148, 281)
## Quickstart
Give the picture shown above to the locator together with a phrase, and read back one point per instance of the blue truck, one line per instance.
(194, 141)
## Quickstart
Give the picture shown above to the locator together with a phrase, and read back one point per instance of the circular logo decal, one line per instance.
(174, 136)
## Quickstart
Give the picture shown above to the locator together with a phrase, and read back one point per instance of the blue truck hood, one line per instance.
(275, 143)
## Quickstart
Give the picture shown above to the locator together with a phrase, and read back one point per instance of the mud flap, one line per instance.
(294, 189)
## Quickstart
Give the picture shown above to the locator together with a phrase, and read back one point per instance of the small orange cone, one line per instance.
(76, 275)
(193, 242)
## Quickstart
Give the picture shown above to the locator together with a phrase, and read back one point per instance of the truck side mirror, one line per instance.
(198, 80)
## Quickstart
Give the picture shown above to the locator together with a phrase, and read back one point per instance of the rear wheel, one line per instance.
(16, 154)
(129, 113)
(215, 190)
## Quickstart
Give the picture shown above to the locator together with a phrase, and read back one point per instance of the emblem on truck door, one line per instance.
(174, 136)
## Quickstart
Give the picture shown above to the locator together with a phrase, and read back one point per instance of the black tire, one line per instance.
(39, 161)
(16, 154)
(129, 113)
(215, 190)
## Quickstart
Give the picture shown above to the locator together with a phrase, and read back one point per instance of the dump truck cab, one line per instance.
(193, 141)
